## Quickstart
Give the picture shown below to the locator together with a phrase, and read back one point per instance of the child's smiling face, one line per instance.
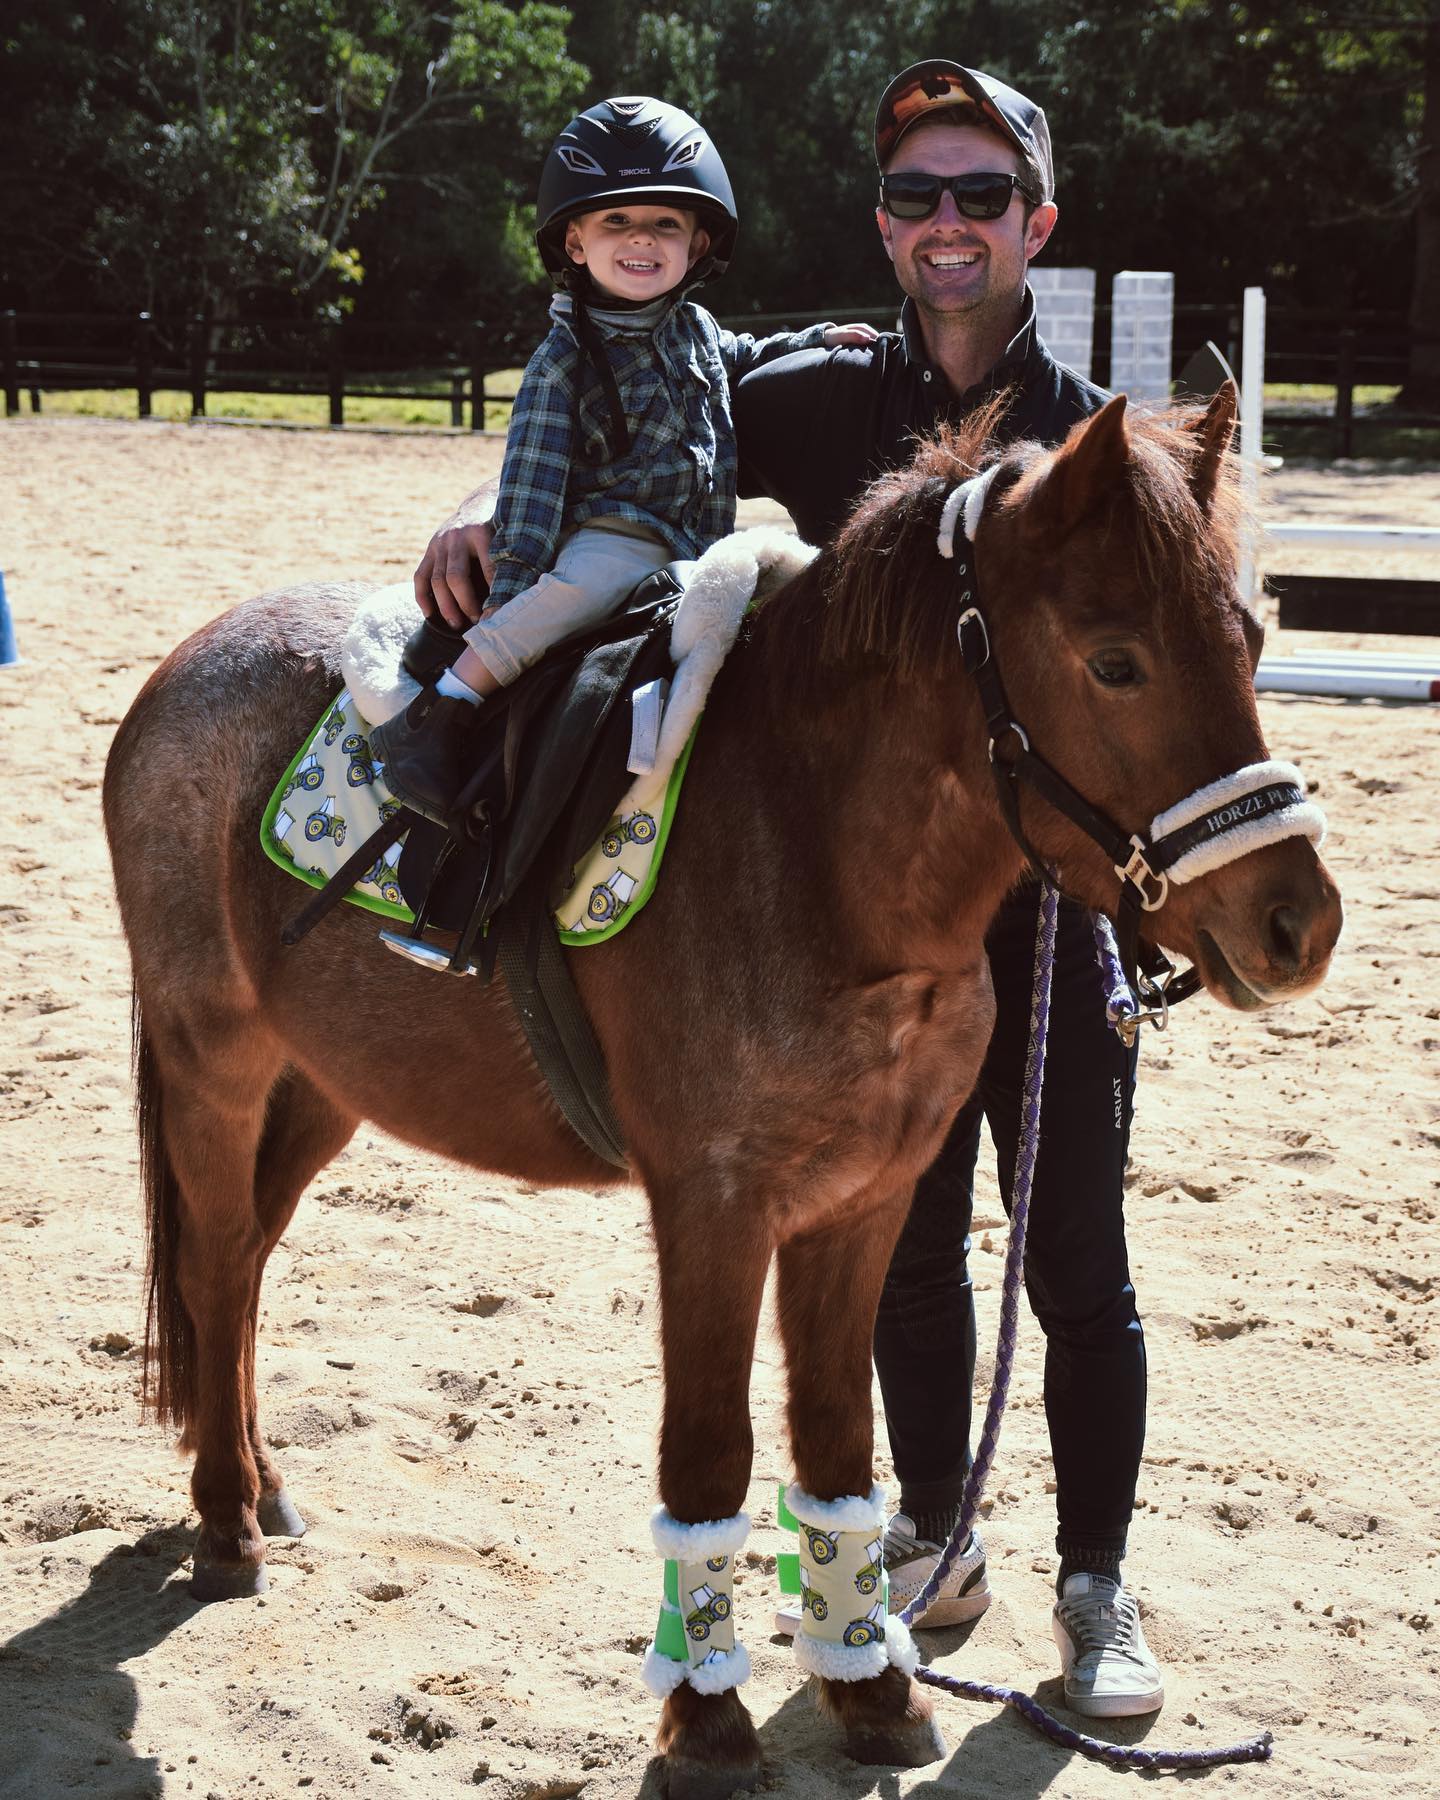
(636, 252)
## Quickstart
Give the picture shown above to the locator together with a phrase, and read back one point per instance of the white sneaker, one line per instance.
(1109, 1671)
(911, 1562)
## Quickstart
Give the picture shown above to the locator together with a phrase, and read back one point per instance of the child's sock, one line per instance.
(451, 684)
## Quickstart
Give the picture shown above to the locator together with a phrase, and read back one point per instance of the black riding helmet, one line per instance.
(639, 150)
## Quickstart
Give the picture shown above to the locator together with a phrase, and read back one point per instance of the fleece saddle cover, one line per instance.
(333, 797)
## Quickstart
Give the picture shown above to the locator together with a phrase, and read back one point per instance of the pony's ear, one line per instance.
(1213, 432)
(1087, 466)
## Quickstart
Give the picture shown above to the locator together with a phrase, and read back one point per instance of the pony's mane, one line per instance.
(871, 599)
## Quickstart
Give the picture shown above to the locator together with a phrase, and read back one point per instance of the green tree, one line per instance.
(1272, 141)
(789, 93)
(165, 152)
(1422, 388)
(1238, 143)
(214, 149)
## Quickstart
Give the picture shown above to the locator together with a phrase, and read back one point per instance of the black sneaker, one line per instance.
(431, 648)
(422, 752)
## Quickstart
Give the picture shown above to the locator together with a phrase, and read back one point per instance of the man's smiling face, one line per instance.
(949, 264)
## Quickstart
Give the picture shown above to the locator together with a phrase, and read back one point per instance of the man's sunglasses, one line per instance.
(915, 195)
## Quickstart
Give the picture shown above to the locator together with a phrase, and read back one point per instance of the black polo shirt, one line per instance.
(815, 427)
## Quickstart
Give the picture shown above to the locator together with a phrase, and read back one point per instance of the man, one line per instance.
(967, 184)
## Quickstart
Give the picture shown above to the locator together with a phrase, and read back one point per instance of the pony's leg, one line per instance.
(712, 1279)
(828, 1290)
(215, 1071)
(303, 1131)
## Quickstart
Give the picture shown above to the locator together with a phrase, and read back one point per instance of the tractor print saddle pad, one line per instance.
(333, 796)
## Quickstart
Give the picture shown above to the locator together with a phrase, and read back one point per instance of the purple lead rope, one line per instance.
(1014, 1250)
(1119, 1002)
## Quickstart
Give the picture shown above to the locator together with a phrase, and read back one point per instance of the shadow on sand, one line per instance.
(991, 1749)
(75, 1734)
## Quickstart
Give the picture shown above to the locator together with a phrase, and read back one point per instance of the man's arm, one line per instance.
(445, 581)
(802, 426)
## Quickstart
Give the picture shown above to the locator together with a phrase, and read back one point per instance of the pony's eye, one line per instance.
(1114, 668)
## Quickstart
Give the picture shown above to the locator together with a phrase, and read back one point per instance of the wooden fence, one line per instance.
(451, 363)
(42, 353)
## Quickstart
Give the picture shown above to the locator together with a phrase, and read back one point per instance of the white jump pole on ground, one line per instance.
(1355, 674)
(1402, 661)
(1358, 537)
(1362, 683)
(1252, 416)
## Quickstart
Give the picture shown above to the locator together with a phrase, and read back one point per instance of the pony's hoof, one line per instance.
(708, 1744)
(686, 1779)
(228, 1581)
(908, 1746)
(277, 1515)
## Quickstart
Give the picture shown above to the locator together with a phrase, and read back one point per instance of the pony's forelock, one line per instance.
(871, 597)
(874, 576)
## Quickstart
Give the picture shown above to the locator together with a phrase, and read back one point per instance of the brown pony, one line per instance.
(791, 1022)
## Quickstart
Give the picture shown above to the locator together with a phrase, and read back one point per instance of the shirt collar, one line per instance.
(1012, 360)
(639, 319)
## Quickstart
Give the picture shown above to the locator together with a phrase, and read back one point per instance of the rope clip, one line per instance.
(1156, 1013)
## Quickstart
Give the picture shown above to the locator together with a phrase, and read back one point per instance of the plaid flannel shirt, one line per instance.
(679, 475)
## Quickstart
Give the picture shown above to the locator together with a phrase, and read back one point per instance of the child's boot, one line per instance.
(422, 752)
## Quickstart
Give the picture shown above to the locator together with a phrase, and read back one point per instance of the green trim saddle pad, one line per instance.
(334, 791)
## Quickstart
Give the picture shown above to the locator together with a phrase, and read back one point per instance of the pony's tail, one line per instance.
(167, 1388)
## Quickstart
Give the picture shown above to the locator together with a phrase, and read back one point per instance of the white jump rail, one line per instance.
(1347, 684)
(1345, 674)
(1352, 674)
(1399, 662)
(1324, 536)
(1357, 537)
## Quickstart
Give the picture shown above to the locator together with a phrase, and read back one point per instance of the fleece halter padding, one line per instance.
(1260, 804)
(1257, 805)
(968, 500)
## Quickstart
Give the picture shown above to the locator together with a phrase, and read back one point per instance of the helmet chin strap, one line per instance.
(594, 349)
(1262, 803)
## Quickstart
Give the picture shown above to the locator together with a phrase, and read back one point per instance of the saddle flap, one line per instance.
(604, 778)
(548, 773)
(569, 762)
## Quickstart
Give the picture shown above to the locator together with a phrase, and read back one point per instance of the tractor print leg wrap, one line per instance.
(846, 1633)
(695, 1638)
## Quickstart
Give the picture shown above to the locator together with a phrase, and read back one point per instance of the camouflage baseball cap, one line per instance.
(930, 87)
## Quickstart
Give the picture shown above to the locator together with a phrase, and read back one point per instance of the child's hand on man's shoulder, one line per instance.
(836, 335)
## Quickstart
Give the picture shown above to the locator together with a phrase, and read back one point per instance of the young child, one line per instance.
(621, 451)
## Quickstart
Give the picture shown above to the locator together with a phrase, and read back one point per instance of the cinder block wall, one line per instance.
(1142, 323)
(1065, 312)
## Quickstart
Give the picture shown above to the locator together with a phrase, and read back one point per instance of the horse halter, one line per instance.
(1259, 804)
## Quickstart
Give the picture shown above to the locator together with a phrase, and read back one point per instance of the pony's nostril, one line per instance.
(1287, 936)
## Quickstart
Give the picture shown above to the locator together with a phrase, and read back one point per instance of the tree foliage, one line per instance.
(211, 152)
(382, 154)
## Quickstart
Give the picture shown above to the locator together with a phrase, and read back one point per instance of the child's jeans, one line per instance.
(595, 570)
